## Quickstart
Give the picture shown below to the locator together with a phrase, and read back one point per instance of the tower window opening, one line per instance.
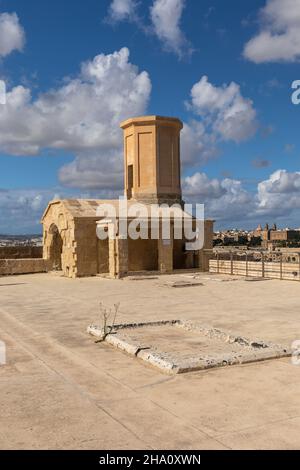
(130, 181)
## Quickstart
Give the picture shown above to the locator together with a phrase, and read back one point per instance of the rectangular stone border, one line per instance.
(255, 350)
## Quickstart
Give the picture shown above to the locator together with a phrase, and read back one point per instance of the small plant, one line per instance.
(107, 314)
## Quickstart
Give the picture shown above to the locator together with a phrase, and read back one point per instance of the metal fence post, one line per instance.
(262, 265)
(281, 267)
(218, 262)
(247, 264)
(231, 259)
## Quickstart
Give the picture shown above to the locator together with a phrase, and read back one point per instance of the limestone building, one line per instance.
(271, 237)
(151, 177)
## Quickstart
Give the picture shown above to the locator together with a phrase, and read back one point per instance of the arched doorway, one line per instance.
(56, 246)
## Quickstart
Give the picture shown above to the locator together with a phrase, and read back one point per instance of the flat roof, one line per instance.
(147, 120)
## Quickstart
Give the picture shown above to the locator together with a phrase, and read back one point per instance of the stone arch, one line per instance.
(56, 247)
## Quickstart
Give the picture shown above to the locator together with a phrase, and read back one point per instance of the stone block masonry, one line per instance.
(21, 252)
(10, 267)
(151, 177)
(269, 270)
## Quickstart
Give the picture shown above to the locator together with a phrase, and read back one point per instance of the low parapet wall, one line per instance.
(10, 267)
(21, 252)
(284, 271)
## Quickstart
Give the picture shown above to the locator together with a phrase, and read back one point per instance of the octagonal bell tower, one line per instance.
(152, 159)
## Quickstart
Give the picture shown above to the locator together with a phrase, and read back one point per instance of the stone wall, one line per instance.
(204, 260)
(284, 271)
(59, 236)
(86, 245)
(21, 252)
(165, 255)
(22, 266)
(118, 257)
(142, 255)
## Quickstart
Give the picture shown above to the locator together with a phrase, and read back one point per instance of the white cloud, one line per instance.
(121, 10)
(231, 116)
(197, 145)
(166, 17)
(21, 209)
(279, 36)
(279, 195)
(224, 200)
(224, 115)
(82, 116)
(91, 171)
(199, 185)
(237, 204)
(12, 35)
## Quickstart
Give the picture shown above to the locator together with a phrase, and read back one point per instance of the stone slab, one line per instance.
(178, 346)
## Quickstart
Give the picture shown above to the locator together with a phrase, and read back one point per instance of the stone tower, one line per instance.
(152, 159)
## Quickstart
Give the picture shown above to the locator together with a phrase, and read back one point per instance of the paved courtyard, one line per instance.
(60, 390)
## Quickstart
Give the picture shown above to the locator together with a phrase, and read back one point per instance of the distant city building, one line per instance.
(274, 236)
(236, 238)
(20, 240)
(267, 238)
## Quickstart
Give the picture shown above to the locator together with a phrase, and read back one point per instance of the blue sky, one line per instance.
(231, 164)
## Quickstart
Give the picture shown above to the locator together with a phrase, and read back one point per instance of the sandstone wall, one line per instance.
(59, 235)
(86, 245)
(22, 266)
(21, 252)
(285, 271)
